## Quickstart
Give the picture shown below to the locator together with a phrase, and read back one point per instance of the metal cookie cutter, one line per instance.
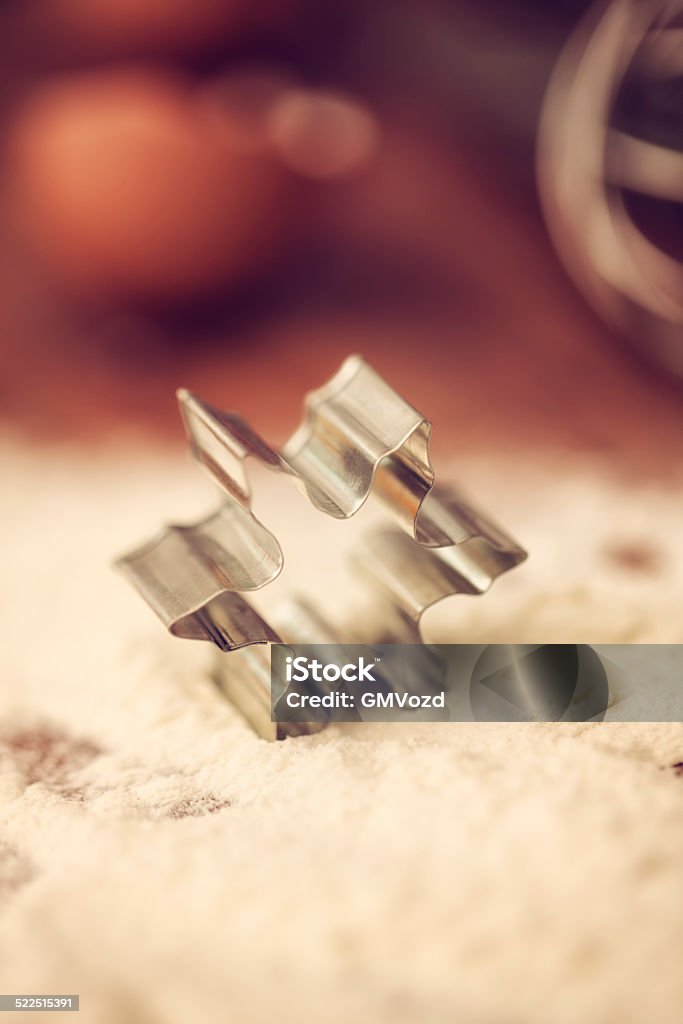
(357, 436)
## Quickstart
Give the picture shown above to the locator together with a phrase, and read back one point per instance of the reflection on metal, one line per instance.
(358, 436)
(614, 84)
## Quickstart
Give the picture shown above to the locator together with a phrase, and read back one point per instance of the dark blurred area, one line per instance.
(233, 195)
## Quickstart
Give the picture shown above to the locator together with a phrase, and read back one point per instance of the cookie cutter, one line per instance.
(358, 437)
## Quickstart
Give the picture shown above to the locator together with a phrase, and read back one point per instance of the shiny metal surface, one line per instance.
(626, 56)
(358, 437)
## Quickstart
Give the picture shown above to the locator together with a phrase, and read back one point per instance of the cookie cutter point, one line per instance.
(221, 442)
(357, 437)
(184, 570)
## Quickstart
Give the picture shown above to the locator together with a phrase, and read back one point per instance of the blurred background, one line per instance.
(233, 195)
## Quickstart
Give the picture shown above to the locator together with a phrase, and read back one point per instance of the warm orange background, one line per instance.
(152, 238)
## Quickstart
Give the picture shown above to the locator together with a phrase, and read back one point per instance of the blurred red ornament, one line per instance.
(126, 189)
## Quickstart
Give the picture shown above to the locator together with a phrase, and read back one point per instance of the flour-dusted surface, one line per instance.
(159, 859)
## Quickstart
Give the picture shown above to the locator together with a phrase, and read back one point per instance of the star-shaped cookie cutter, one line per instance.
(358, 437)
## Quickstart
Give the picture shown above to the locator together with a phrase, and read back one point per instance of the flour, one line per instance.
(165, 863)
